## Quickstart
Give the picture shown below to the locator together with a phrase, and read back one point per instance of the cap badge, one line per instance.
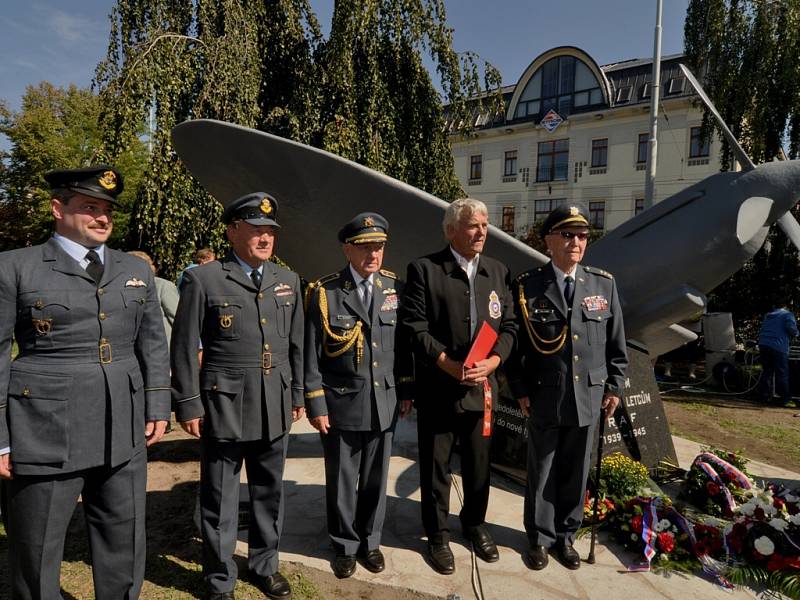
(369, 222)
(266, 206)
(573, 211)
(108, 180)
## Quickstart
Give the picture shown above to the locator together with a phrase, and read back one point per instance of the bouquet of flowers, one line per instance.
(716, 482)
(605, 506)
(622, 477)
(652, 528)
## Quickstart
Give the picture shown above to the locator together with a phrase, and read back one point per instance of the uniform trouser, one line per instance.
(558, 464)
(775, 364)
(437, 436)
(40, 509)
(356, 473)
(220, 469)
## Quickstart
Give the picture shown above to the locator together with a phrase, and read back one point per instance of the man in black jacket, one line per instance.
(448, 296)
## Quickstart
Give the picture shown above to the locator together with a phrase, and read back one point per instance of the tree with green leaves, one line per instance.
(363, 93)
(55, 128)
(748, 54)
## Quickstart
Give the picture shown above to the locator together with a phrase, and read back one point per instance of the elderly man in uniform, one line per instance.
(570, 364)
(87, 392)
(448, 296)
(248, 314)
(353, 380)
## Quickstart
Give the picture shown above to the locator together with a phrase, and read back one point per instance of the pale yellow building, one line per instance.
(596, 155)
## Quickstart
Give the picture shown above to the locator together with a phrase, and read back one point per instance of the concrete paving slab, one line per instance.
(305, 537)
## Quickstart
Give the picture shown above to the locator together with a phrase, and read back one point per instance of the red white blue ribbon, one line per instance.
(728, 468)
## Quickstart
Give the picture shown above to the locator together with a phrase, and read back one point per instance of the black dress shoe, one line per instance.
(273, 586)
(442, 558)
(221, 596)
(569, 556)
(537, 557)
(482, 543)
(344, 565)
(373, 560)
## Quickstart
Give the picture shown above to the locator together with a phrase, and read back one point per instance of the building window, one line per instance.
(597, 214)
(675, 85)
(641, 152)
(624, 94)
(563, 83)
(599, 153)
(638, 206)
(544, 207)
(553, 161)
(510, 164)
(475, 166)
(698, 147)
(508, 219)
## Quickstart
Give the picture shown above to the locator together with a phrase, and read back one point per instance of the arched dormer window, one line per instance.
(563, 82)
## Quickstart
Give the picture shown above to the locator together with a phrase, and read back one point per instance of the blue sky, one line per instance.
(61, 41)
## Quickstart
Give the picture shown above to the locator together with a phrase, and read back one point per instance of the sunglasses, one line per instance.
(582, 236)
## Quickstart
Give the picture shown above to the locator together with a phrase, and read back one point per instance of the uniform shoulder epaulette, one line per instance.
(326, 279)
(314, 285)
(388, 273)
(523, 276)
(601, 272)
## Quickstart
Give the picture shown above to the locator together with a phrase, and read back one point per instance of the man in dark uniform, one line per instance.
(570, 363)
(448, 296)
(353, 381)
(87, 392)
(248, 314)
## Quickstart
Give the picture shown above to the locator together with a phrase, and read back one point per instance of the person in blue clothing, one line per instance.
(778, 328)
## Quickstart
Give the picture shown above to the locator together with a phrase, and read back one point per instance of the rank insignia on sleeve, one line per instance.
(389, 303)
(494, 305)
(595, 303)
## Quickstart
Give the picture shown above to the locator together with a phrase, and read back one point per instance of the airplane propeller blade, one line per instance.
(791, 228)
(741, 155)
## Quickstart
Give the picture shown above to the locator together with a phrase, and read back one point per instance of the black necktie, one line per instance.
(255, 275)
(95, 267)
(569, 290)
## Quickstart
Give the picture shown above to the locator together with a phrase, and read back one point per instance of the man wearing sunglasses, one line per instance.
(570, 364)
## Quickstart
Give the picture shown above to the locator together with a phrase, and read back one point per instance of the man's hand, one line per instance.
(320, 423)
(298, 412)
(405, 408)
(610, 403)
(452, 367)
(524, 405)
(154, 431)
(193, 427)
(481, 370)
(6, 470)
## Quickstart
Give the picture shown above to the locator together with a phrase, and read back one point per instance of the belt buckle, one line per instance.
(105, 353)
(266, 361)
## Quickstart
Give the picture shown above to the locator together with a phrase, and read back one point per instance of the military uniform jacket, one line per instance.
(357, 394)
(435, 316)
(252, 372)
(92, 362)
(580, 351)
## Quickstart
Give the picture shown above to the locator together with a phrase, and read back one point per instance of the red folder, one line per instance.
(481, 347)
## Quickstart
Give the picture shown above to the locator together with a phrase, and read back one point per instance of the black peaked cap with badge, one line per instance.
(99, 181)
(365, 228)
(566, 215)
(257, 208)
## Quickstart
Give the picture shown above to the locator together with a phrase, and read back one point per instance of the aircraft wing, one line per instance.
(318, 192)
